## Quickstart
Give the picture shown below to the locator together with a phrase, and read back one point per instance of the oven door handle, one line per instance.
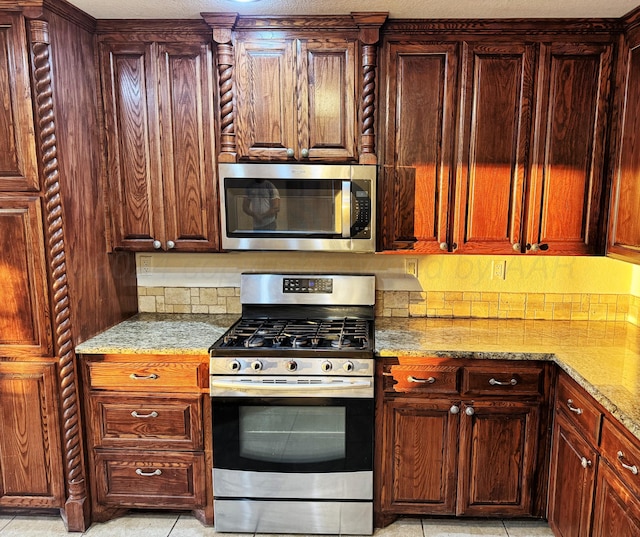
(244, 385)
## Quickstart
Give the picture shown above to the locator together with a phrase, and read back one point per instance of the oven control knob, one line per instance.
(291, 366)
(348, 366)
(257, 365)
(326, 366)
(235, 365)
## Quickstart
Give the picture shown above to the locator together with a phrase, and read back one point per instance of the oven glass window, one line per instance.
(292, 434)
(283, 208)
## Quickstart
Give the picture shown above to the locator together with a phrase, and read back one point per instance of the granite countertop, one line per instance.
(160, 333)
(603, 357)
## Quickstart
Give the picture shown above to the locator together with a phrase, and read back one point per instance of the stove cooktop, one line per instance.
(258, 335)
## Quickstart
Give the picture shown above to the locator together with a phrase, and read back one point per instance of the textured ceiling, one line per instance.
(423, 9)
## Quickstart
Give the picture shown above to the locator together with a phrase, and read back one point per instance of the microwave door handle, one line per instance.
(346, 209)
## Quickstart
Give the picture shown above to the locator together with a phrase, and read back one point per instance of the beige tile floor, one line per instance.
(183, 525)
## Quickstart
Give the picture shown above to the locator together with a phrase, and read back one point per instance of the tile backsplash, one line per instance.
(450, 304)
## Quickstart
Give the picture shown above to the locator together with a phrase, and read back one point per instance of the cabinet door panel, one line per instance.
(18, 165)
(326, 89)
(495, 120)
(617, 511)
(422, 442)
(186, 132)
(624, 237)
(569, 140)
(498, 447)
(420, 117)
(133, 168)
(24, 308)
(265, 96)
(30, 458)
(572, 481)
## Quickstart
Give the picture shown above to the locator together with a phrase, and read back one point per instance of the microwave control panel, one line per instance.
(361, 212)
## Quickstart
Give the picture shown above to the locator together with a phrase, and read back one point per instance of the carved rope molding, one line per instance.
(54, 233)
(368, 150)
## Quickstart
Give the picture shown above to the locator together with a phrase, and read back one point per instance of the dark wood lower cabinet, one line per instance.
(617, 510)
(498, 447)
(572, 481)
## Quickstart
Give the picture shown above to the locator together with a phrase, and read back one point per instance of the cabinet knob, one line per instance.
(444, 246)
(516, 247)
(585, 463)
(536, 247)
(305, 153)
(469, 411)
(157, 245)
(171, 245)
(455, 409)
(290, 152)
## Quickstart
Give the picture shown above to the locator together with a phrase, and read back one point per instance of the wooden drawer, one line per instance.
(622, 451)
(504, 379)
(579, 408)
(136, 421)
(420, 379)
(150, 479)
(144, 376)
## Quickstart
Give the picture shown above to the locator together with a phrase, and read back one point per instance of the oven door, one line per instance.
(293, 447)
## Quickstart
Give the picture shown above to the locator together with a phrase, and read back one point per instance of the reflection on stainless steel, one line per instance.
(264, 516)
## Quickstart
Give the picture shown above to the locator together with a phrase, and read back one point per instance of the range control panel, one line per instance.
(307, 285)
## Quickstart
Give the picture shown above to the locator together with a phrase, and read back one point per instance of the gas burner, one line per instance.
(299, 341)
(341, 343)
(254, 341)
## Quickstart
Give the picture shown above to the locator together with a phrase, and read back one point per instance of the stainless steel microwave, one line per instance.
(308, 207)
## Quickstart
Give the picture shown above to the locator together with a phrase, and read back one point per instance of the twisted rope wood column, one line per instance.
(368, 149)
(225, 88)
(76, 507)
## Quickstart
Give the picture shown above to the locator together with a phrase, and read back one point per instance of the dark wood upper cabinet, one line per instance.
(494, 124)
(565, 198)
(159, 126)
(18, 165)
(419, 122)
(24, 308)
(296, 99)
(624, 224)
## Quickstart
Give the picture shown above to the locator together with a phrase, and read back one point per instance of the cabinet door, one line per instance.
(495, 112)
(567, 174)
(616, 510)
(24, 308)
(419, 121)
(30, 458)
(624, 235)
(572, 481)
(498, 448)
(186, 122)
(420, 458)
(133, 163)
(326, 89)
(18, 165)
(265, 95)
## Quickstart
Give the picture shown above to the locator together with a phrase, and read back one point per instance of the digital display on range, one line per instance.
(307, 285)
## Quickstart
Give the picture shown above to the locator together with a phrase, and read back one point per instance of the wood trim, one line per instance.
(76, 510)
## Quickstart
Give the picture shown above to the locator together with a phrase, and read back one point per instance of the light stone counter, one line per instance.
(158, 333)
(603, 357)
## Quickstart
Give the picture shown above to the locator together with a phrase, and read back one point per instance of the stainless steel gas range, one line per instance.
(292, 389)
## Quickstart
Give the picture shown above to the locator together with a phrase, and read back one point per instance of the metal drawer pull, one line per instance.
(573, 408)
(586, 463)
(495, 382)
(135, 376)
(148, 474)
(633, 469)
(153, 414)
(430, 380)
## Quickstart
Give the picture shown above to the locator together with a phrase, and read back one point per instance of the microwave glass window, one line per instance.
(282, 208)
(292, 434)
